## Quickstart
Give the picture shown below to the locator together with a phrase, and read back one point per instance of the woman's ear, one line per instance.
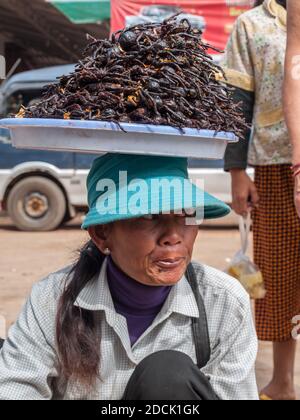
(100, 236)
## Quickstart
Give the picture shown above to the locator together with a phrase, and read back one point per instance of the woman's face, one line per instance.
(153, 250)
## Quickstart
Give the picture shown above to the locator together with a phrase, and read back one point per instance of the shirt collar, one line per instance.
(278, 11)
(95, 296)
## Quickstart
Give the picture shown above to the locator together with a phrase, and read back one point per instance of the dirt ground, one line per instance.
(25, 258)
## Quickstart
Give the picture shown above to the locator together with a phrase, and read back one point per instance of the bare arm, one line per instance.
(292, 77)
(292, 87)
(244, 193)
(238, 60)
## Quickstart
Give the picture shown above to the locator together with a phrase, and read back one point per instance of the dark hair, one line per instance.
(78, 340)
(258, 3)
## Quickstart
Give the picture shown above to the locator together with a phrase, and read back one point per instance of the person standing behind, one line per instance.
(292, 90)
(254, 67)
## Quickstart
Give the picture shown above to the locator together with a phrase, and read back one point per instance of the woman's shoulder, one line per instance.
(254, 19)
(251, 14)
(51, 286)
(40, 309)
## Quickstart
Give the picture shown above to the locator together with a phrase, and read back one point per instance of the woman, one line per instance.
(254, 66)
(133, 319)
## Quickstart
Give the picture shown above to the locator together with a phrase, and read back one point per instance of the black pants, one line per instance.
(168, 376)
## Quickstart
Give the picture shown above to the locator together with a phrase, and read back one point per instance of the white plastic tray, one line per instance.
(101, 137)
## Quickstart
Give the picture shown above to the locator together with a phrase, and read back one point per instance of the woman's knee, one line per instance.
(165, 366)
(164, 375)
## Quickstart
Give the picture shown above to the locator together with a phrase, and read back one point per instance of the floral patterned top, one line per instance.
(254, 61)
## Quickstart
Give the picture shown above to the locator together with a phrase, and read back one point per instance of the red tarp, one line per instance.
(219, 15)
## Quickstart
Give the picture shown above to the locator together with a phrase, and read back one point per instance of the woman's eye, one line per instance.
(189, 214)
(185, 214)
(182, 215)
(149, 217)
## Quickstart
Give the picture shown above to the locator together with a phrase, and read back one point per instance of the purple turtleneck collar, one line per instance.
(138, 303)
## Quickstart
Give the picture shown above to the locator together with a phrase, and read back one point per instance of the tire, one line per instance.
(36, 204)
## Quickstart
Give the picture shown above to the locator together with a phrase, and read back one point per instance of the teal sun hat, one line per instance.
(124, 186)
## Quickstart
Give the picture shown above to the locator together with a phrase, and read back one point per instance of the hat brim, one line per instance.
(199, 199)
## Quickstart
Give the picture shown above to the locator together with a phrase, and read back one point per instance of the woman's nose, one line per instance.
(171, 235)
(171, 240)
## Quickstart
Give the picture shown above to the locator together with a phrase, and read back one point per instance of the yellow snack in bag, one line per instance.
(244, 270)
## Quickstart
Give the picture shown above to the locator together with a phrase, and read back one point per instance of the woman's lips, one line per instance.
(169, 263)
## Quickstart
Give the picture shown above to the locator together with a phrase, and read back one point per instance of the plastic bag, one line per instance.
(243, 269)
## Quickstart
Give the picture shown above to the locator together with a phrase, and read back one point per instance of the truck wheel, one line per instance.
(36, 204)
